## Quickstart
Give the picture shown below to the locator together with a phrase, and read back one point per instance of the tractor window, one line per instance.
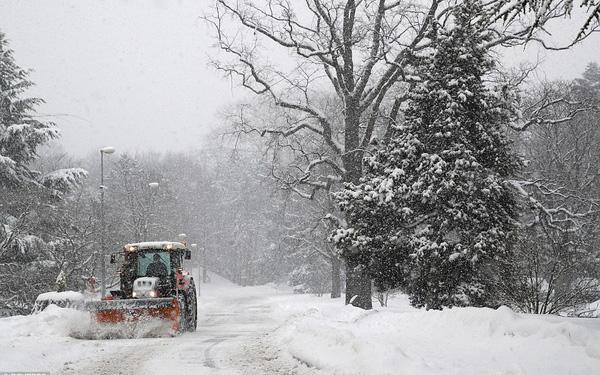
(154, 264)
(176, 260)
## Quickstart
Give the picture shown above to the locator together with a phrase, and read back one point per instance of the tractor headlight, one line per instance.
(144, 287)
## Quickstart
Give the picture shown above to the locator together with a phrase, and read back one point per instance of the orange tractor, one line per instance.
(155, 292)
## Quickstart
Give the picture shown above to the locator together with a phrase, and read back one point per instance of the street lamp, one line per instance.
(108, 151)
(204, 265)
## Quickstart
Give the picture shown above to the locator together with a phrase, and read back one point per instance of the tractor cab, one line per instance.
(150, 264)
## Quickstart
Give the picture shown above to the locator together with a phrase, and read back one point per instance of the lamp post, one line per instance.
(108, 151)
(205, 268)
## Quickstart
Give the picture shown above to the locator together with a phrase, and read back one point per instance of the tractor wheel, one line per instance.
(191, 309)
(182, 316)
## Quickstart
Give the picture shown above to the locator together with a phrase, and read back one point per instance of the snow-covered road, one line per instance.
(222, 329)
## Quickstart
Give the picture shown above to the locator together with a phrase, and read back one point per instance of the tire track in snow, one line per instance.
(219, 334)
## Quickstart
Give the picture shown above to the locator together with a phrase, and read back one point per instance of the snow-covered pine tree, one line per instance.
(588, 87)
(433, 213)
(20, 132)
(24, 193)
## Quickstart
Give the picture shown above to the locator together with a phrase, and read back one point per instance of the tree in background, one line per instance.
(558, 263)
(587, 88)
(219, 197)
(133, 201)
(307, 240)
(434, 213)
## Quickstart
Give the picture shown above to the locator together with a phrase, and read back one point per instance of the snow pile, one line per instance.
(68, 295)
(347, 340)
(52, 321)
(594, 309)
(44, 341)
(591, 310)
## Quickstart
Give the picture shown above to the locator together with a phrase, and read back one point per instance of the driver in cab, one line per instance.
(157, 268)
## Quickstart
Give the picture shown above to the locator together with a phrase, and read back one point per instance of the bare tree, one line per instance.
(539, 8)
(557, 264)
(309, 234)
(73, 237)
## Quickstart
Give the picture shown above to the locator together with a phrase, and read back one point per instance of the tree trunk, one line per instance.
(336, 282)
(358, 285)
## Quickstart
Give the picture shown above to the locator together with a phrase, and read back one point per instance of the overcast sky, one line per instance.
(134, 74)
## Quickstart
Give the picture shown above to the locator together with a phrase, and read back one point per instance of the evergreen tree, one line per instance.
(27, 196)
(433, 213)
(20, 135)
(588, 87)
(20, 132)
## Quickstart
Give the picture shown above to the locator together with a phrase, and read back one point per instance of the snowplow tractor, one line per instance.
(156, 296)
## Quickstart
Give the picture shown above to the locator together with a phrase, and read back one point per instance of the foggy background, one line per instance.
(134, 74)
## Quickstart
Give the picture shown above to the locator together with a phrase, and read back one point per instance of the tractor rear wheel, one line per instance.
(191, 309)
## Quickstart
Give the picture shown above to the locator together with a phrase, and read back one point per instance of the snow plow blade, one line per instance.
(136, 316)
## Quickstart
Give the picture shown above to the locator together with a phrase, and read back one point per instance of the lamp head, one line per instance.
(107, 150)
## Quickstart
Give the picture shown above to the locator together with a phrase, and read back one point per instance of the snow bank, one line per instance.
(594, 309)
(60, 296)
(52, 321)
(42, 342)
(402, 340)
(591, 310)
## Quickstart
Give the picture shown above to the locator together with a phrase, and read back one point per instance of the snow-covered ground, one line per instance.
(264, 330)
(403, 340)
